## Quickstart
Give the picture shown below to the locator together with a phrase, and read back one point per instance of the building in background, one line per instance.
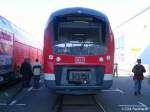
(132, 39)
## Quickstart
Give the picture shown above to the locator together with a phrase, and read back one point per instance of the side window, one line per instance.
(5, 24)
(1, 22)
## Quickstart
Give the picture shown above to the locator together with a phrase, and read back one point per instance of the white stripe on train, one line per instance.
(48, 76)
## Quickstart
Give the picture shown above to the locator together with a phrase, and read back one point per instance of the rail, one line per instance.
(90, 102)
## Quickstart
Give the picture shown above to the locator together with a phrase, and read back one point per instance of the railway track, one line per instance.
(12, 90)
(88, 103)
(9, 84)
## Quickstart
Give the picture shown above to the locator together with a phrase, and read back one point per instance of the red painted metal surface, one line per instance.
(17, 46)
(52, 59)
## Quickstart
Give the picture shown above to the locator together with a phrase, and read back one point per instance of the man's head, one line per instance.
(36, 60)
(139, 61)
(26, 60)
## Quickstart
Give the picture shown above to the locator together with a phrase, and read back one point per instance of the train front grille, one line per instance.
(79, 75)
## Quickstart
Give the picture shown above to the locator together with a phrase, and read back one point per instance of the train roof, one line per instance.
(78, 10)
(5, 24)
(21, 34)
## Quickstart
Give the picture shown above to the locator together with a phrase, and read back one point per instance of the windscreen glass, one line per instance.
(79, 36)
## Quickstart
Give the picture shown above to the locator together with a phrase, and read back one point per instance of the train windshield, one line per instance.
(80, 36)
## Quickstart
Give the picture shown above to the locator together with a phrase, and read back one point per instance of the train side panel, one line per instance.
(15, 45)
(6, 52)
(33, 54)
(21, 52)
(40, 56)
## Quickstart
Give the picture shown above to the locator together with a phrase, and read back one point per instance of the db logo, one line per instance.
(79, 59)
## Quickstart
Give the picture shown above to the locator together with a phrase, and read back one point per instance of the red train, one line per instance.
(15, 45)
(78, 51)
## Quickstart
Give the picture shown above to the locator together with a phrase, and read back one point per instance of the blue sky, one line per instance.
(31, 15)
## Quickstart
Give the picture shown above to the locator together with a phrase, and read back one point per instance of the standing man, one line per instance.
(37, 68)
(26, 71)
(138, 71)
(116, 70)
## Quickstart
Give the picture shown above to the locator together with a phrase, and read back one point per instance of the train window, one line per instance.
(5, 24)
(79, 31)
(1, 22)
(83, 33)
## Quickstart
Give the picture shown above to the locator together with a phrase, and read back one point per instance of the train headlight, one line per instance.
(58, 59)
(51, 57)
(108, 58)
(101, 59)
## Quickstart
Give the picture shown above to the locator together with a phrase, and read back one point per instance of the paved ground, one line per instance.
(123, 99)
(119, 98)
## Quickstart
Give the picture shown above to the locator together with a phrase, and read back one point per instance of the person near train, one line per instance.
(138, 71)
(37, 70)
(115, 72)
(26, 72)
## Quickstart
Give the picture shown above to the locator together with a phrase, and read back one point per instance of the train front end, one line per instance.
(78, 51)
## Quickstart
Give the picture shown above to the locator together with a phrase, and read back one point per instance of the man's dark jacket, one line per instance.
(138, 71)
(26, 70)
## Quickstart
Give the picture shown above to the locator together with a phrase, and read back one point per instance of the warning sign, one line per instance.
(136, 49)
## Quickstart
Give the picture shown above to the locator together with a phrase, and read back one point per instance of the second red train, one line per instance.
(15, 45)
